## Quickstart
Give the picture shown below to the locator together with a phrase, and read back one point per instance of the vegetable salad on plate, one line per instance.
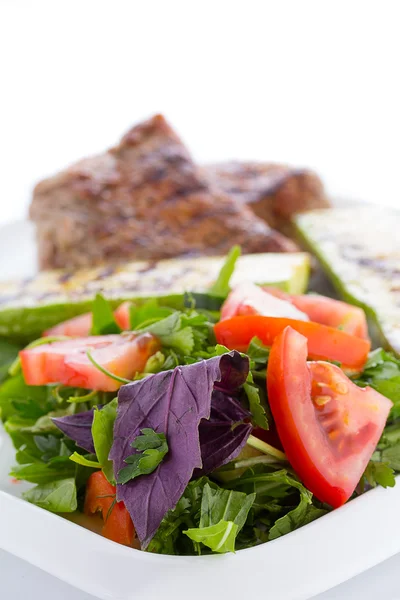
(198, 430)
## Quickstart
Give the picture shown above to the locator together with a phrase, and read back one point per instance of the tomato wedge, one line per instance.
(328, 426)
(76, 327)
(327, 311)
(324, 342)
(249, 299)
(67, 362)
(100, 497)
(81, 326)
(123, 315)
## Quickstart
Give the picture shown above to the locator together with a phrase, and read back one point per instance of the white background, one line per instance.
(311, 83)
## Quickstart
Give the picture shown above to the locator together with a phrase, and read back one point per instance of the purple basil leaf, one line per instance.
(171, 402)
(220, 440)
(79, 428)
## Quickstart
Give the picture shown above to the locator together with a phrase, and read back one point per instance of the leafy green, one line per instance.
(218, 504)
(379, 473)
(8, 354)
(25, 401)
(148, 313)
(304, 513)
(102, 432)
(103, 317)
(57, 496)
(152, 448)
(256, 406)
(221, 285)
(203, 505)
(171, 333)
(44, 473)
(219, 538)
(84, 461)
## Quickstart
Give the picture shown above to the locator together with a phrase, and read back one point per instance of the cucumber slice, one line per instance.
(359, 248)
(28, 307)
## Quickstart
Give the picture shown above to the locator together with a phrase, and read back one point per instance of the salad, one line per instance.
(198, 431)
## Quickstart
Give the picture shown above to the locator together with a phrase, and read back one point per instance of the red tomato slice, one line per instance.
(77, 327)
(67, 362)
(324, 342)
(328, 426)
(81, 326)
(123, 315)
(327, 311)
(250, 299)
(100, 497)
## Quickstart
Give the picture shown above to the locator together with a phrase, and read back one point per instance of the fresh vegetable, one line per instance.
(327, 311)
(27, 309)
(249, 299)
(183, 399)
(204, 450)
(328, 426)
(101, 498)
(323, 342)
(83, 362)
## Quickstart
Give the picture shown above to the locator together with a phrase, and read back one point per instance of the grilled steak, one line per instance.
(274, 192)
(143, 199)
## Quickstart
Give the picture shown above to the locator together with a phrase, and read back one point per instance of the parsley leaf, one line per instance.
(379, 473)
(152, 448)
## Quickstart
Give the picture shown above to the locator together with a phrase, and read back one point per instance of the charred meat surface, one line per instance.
(274, 192)
(144, 199)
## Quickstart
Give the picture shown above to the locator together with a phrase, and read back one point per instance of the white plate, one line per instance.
(304, 563)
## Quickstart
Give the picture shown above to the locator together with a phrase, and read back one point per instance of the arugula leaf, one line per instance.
(257, 409)
(218, 504)
(102, 433)
(379, 473)
(84, 461)
(26, 401)
(153, 447)
(57, 496)
(220, 537)
(221, 285)
(304, 513)
(103, 317)
(8, 354)
(45, 473)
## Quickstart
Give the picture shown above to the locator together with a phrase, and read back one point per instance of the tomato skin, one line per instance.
(328, 311)
(328, 446)
(67, 363)
(100, 497)
(324, 342)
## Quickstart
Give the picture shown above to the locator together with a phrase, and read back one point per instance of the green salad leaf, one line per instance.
(103, 317)
(221, 285)
(8, 354)
(102, 432)
(57, 496)
(219, 537)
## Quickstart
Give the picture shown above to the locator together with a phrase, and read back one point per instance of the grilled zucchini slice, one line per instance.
(359, 248)
(28, 307)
